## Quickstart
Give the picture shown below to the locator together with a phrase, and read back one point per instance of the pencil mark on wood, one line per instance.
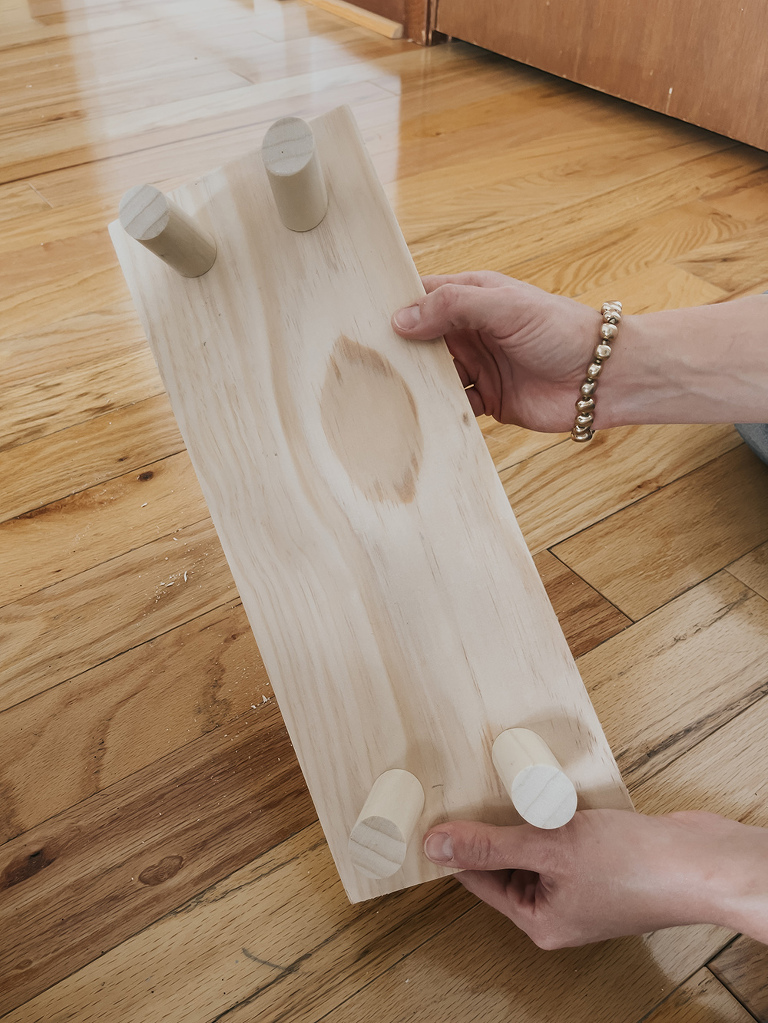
(369, 417)
(163, 871)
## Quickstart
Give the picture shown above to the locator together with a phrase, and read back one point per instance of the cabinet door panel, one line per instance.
(704, 61)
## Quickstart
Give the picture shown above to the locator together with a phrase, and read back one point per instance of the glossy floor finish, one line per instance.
(161, 860)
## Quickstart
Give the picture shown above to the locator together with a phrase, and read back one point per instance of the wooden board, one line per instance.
(395, 604)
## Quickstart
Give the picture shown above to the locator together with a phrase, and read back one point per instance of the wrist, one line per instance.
(707, 364)
(741, 890)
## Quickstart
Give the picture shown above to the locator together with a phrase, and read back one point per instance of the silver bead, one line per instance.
(608, 331)
(612, 317)
(585, 404)
(611, 307)
(587, 388)
(585, 420)
(603, 352)
(580, 435)
(593, 372)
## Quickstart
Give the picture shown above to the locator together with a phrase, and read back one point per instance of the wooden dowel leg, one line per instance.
(378, 842)
(542, 793)
(165, 229)
(295, 174)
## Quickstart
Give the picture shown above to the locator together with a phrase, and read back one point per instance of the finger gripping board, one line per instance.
(393, 599)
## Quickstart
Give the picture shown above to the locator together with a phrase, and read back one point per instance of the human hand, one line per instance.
(609, 873)
(521, 352)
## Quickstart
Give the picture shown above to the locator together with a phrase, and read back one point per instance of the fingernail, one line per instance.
(439, 848)
(407, 319)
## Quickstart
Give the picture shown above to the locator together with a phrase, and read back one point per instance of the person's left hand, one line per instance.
(609, 873)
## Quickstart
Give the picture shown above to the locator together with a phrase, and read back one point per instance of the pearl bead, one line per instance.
(585, 404)
(612, 317)
(585, 420)
(603, 352)
(609, 307)
(609, 331)
(580, 435)
(587, 388)
(594, 370)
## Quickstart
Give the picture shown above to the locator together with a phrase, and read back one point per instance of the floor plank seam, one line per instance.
(234, 603)
(727, 987)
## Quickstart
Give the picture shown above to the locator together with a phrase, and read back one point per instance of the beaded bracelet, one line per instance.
(585, 415)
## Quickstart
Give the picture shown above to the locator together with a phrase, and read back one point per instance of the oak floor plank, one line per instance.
(702, 999)
(84, 881)
(560, 492)
(662, 286)
(94, 730)
(85, 455)
(66, 628)
(70, 536)
(723, 504)
(752, 569)
(72, 370)
(743, 968)
(586, 617)
(666, 683)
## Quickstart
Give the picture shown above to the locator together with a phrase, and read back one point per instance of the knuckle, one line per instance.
(475, 850)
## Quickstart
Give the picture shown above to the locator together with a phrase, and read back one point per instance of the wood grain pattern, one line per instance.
(87, 879)
(678, 675)
(702, 999)
(650, 54)
(743, 968)
(372, 458)
(487, 164)
(752, 569)
(722, 503)
(367, 19)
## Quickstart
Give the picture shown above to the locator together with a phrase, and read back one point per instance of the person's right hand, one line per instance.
(521, 353)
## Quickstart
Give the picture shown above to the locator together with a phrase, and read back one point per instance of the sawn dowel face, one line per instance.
(394, 601)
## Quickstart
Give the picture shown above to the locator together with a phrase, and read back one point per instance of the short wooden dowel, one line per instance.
(161, 226)
(295, 175)
(541, 792)
(378, 843)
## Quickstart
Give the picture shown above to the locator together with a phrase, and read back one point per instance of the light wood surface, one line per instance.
(410, 534)
(128, 704)
(370, 20)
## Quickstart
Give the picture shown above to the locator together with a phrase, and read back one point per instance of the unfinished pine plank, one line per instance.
(702, 999)
(86, 880)
(70, 536)
(722, 504)
(555, 494)
(743, 968)
(377, 468)
(677, 676)
(72, 625)
(752, 569)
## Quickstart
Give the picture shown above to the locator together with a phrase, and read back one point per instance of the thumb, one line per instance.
(449, 307)
(467, 845)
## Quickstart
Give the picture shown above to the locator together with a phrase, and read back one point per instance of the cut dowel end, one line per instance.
(144, 212)
(295, 175)
(541, 792)
(378, 843)
(149, 216)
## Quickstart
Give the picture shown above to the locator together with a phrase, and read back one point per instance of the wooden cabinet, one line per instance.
(704, 61)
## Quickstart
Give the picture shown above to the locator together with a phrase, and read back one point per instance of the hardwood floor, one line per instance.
(160, 856)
